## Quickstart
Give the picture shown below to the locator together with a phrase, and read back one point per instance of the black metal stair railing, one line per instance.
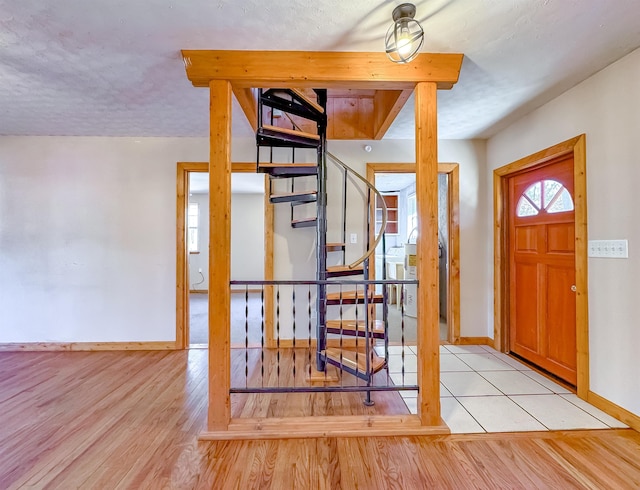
(286, 367)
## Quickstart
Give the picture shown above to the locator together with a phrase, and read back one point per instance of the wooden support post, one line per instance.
(427, 251)
(219, 413)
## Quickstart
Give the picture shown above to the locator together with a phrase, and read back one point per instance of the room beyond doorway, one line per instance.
(250, 244)
(396, 181)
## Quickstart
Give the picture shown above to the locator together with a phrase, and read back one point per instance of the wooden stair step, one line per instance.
(293, 101)
(309, 101)
(356, 328)
(275, 136)
(344, 270)
(294, 197)
(349, 298)
(293, 132)
(288, 169)
(355, 360)
(335, 247)
(304, 223)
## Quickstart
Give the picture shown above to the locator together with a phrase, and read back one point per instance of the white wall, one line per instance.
(607, 108)
(295, 248)
(199, 262)
(87, 233)
(87, 237)
(247, 237)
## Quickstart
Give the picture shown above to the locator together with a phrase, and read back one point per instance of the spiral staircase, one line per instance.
(362, 324)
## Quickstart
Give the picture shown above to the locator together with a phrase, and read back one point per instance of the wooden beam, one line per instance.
(249, 105)
(324, 426)
(386, 107)
(427, 251)
(219, 412)
(300, 69)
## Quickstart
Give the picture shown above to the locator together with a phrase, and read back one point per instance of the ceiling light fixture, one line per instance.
(405, 36)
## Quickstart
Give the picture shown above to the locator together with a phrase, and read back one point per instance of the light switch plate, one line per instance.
(354, 238)
(611, 249)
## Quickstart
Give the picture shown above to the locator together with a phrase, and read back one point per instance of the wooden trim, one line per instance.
(219, 412)
(269, 309)
(616, 411)
(500, 265)
(303, 69)
(198, 291)
(325, 426)
(304, 343)
(474, 341)
(453, 288)
(243, 290)
(182, 300)
(582, 260)
(86, 346)
(182, 272)
(577, 146)
(236, 167)
(427, 251)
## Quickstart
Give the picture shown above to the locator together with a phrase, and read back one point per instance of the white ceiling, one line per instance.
(113, 67)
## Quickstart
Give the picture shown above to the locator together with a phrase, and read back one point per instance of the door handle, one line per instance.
(574, 288)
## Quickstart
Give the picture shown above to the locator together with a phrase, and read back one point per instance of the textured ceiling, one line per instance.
(113, 67)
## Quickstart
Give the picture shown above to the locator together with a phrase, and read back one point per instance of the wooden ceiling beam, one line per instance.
(248, 103)
(319, 69)
(386, 107)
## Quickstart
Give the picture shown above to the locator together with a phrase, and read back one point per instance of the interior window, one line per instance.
(192, 226)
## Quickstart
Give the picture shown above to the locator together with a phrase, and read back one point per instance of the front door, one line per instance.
(542, 304)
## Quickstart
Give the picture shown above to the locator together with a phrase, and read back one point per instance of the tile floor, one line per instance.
(483, 390)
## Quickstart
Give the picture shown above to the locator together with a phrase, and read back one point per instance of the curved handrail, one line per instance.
(368, 253)
(383, 226)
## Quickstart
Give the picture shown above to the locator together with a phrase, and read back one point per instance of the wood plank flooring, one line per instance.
(111, 420)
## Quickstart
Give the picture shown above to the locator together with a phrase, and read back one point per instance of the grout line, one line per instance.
(525, 410)
(471, 415)
(594, 416)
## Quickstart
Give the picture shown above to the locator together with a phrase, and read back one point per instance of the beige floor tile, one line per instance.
(467, 384)
(556, 413)
(457, 418)
(500, 414)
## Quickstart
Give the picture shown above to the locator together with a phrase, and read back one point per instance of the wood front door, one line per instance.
(542, 303)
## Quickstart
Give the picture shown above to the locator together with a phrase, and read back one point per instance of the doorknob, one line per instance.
(574, 288)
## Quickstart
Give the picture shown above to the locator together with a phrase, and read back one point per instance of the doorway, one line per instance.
(397, 183)
(254, 216)
(540, 250)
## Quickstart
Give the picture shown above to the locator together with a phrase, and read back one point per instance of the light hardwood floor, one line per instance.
(108, 420)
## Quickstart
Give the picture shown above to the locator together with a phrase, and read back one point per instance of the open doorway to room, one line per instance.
(248, 251)
(398, 186)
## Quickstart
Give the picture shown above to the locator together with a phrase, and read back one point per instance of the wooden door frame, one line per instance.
(453, 204)
(182, 254)
(577, 147)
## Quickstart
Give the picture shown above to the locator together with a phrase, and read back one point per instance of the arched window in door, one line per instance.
(547, 196)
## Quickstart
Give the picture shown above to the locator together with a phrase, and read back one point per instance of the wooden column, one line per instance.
(427, 251)
(219, 413)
